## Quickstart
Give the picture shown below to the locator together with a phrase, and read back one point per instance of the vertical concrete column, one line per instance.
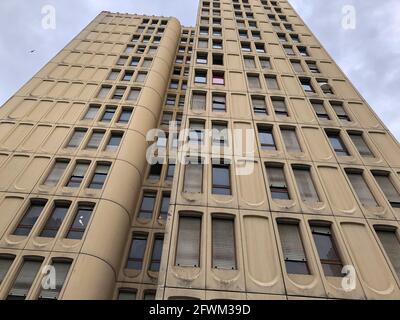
(102, 251)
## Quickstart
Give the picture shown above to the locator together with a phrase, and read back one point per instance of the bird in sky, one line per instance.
(32, 51)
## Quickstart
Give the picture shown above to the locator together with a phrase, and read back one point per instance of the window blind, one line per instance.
(254, 82)
(305, 185)
(95, 140)
(276, 177)
(193, 182)
(223, 244)
(387, 187)
(391, 244)
(292, 246)
(361, 146)
(290, 140)
(362, 190)
(188, 246)
(56, 173)
(25, 278)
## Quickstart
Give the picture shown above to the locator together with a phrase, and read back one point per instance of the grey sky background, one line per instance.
(369, 54)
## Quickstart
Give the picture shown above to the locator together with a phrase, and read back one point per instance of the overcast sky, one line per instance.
(368, 54)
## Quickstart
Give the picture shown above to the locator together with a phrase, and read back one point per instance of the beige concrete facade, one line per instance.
(77, 193)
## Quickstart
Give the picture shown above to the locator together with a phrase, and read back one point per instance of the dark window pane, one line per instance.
(80, 222)
(136, 253)
(156, 255)
(55, 220)
(28, 221)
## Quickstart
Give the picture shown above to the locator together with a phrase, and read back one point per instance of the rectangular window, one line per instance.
(303, 51)
(223, 244)
(127, 76)
(218, 103)
(149, 295)
(200, 76)
(290, 140)
(196, 133)
(188, 244)
(221, 179)
(203, 43)
(114, 141)
(340, 111)
(103, 93)
(80, 223)
(193, 181)
(254, 81)
(320, 110)
(147, 206)
(277, 182)
(337, 144)
(61, 268)
(289, 50)
(218, 78)
(156, 254)
(155, 172)
(78, 175)
(170, 172)
(76, 138)
(245, 46)
(361, 145)
(217, 44)
(5, 263)
(325, 86)
(121, 61)
(166, 118)
(260, 48)
(272, 82)
(55, 220)
(307, 86)
(91, 113)
(56, 173)
(259, 105)
(127, 294)
(113, 75)
(108, 114)
(327, 252)
(266, 136)
(219, 134)
(312, 66)
(136, 252)
(100, 176)
(25, 278)
(279, 106)
(292, 247)
(147, 63)
(362, 189)
(202, 58)
(387, 187)
(305, 184)
(118, 93)
(297, 66)
(164, 207)
(95, 140)
(125, 115)
(249, 62)
(141, 77)
(391, 244)
(135, 62)
(30, 217)
(133, 94)
(218, 59)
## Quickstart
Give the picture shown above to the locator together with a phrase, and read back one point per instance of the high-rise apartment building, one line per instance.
(298, 179)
